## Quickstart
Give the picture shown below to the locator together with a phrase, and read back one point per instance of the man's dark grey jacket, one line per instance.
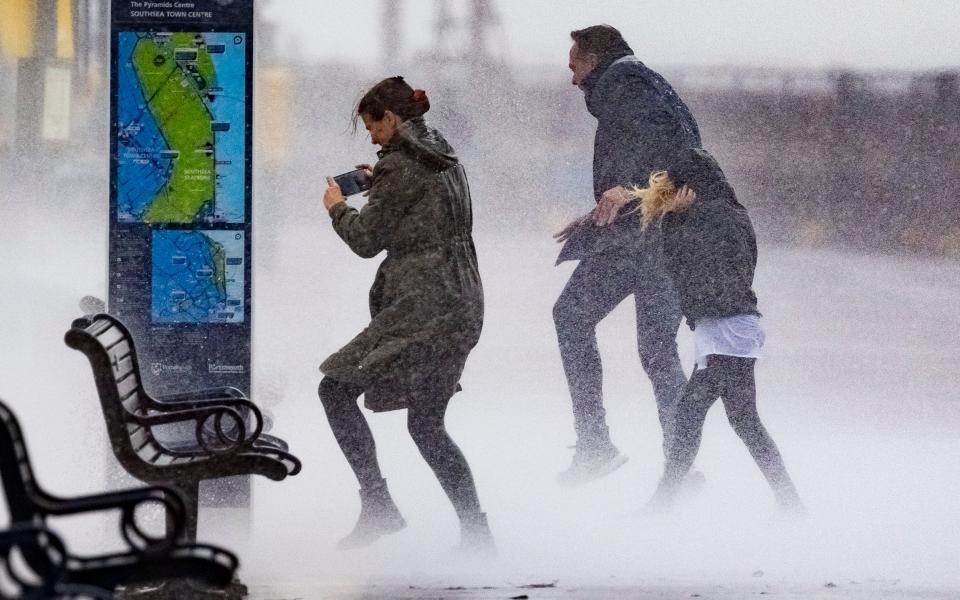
(642, 126)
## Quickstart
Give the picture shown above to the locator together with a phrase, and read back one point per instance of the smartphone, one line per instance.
(353, 182)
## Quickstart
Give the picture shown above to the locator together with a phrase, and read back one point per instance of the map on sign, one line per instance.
(181, 138)
(198, 276)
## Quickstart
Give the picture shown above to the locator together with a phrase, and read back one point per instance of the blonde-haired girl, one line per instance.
(711, 253)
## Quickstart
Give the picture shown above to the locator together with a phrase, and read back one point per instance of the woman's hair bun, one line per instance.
(420, 101)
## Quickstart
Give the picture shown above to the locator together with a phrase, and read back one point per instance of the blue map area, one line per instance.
(198, 276)
(141, 169)
(144, 160)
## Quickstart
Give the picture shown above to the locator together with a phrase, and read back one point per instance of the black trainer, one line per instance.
(591, 463)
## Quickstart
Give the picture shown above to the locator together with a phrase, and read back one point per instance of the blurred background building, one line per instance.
(857, 159)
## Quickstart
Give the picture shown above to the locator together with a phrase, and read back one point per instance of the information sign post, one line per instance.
(180, 192)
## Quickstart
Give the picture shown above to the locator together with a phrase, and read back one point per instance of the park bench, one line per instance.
(224, 429)
(38, 563)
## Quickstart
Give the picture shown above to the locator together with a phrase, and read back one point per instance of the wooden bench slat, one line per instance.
(98, 327)
(139, 438)
(110, 337)
(165, 460)
(132, 403)
(122, 348)
(128, 385)
(121, 366)
(132, 429)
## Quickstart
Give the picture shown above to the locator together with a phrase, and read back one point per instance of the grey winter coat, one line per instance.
(426, 303)
(641, 126)
(711, 248)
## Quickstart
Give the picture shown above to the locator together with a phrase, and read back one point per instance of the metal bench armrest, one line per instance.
(127, 501)
(196, 401)
(200, 417)
(29, 534)
(27, 538)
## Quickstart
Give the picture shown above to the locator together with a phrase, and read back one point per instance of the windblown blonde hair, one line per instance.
(657, 199)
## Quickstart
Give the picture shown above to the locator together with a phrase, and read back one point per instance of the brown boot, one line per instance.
(378, 517)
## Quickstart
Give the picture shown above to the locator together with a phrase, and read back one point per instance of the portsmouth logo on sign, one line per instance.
(215, 367)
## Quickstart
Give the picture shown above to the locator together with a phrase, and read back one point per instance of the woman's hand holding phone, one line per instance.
(354, 182)
(333, 195)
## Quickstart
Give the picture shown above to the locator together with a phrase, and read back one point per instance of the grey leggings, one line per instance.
(425, 422)
(730, 378)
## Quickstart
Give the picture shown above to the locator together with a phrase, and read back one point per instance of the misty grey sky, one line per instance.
(862, 34)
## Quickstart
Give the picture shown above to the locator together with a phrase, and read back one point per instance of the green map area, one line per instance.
(175, 78)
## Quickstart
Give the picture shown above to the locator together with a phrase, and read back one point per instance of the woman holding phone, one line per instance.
(711, 253)
(426, 308)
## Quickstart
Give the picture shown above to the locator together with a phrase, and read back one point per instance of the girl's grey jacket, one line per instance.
(426, 303)
(710, 249)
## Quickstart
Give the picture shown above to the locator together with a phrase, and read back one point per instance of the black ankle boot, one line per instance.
(378, 517)
(476, 538)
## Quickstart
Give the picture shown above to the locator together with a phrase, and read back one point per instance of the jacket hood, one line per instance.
(424, 143)
(695, 167)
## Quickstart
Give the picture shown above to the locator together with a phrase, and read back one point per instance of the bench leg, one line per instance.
(190, 492)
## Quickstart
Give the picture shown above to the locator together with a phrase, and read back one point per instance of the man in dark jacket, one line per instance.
(641, 125)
